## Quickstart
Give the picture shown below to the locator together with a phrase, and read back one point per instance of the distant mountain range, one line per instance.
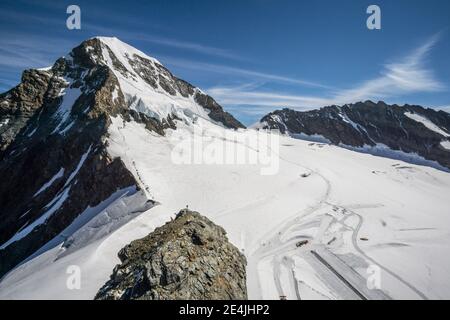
(372, 127)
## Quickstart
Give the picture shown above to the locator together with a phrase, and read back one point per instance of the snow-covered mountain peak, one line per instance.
(147, 86)
(55, 127)
(120, 48)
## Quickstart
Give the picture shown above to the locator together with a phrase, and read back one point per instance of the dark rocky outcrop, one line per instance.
(216, 111)
(367, 124)
(187, 258)
(20, 104)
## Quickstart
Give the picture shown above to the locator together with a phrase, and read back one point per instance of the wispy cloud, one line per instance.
(165, 41)
(24, 17)
(192, 46)
(241, 72)
(25, 51)
(251, 101)
(127, 24)
(407, 76)
(444, 108)
(21, 51)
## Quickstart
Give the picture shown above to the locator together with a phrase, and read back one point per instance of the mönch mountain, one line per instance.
(53, 136)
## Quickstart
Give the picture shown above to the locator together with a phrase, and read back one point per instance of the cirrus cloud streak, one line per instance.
(407, 76)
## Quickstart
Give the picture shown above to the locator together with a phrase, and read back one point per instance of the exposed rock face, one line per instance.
(216, 111)
(368, 123)
(54, 125)
(19, 105)
(187, 258)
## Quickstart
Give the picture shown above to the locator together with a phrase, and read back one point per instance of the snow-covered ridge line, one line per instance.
(427, 123)
(151, 89)
(58, 175)
(78, 167)
(123, 48)
(53, 206)
(141, 84)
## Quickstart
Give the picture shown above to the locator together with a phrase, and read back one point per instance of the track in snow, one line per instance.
(341, 277)
(281, 249)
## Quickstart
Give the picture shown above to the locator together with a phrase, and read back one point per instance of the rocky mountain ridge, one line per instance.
(187, 258)
(364, 125)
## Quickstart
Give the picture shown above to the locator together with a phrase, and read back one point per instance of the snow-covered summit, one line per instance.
(122, 48)
(150, 88)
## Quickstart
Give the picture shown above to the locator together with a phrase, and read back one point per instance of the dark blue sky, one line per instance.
(255, 56)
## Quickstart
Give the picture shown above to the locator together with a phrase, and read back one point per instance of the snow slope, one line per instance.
(427, 123)
(361, 214)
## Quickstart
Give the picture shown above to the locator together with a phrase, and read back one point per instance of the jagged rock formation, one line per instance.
(408, 128)
(54, 161)
(187, 258)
